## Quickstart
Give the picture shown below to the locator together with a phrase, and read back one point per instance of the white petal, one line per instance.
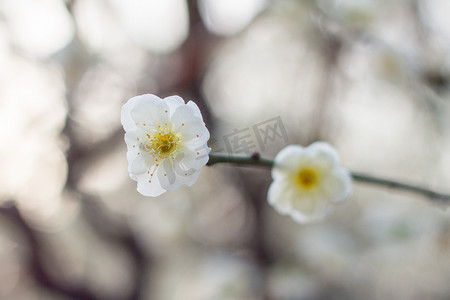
(132, 146)
(149, 111)
(309, 206)
(132, 136)
(338, 185)
(194, 159)
(131, 155)
(198, 142)
(303, 218)
(146, 188)
(183, 115)
(323, 155)
(187, 167)
(187, 121)
(188, 180)
(172, 178)
(287, 160)
(139, 163)
(125, 117)
(137, 166)
(279, 196)
(173, 102)
(289, 153)
(301, 206)
(195, 109)
(194, 133)
(135, 155)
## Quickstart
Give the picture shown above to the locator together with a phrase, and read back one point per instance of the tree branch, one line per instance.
(253, 160)
(256, 160)
(34, 259)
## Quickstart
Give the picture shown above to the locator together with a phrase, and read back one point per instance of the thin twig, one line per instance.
(401, 186)
(256, 160)
(253, 160)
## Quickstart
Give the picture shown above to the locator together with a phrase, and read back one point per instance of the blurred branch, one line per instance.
(262, 251)
(256, 160)
(331, 52)
(192, 60)
(107, 227)
(35, 262)
(431, 77)
(79, 157)
(191, 57)
(70, 4)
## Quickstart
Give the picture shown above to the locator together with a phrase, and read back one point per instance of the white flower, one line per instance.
(166, 141)
(307, 180)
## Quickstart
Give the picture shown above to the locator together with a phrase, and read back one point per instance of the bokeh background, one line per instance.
(370, 77)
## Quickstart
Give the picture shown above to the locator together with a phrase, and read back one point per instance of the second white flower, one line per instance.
(307, 180)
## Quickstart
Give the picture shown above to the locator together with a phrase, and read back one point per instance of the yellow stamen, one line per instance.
(306, 178)
(161, 143)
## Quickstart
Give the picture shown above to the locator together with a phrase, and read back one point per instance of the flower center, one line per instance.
(306, 178)
(162, 142)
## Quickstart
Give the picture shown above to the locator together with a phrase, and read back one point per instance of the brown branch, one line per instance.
(107, 227)
(254, 195)
(34, 258)
(256, 160)
(187, 82)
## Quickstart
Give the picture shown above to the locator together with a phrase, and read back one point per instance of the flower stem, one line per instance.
(256, 160)
(253, 160)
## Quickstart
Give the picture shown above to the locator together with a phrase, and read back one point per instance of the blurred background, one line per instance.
(370, 77)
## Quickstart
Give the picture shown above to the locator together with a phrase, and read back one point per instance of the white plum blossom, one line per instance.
(307, 180)
(166, 141)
